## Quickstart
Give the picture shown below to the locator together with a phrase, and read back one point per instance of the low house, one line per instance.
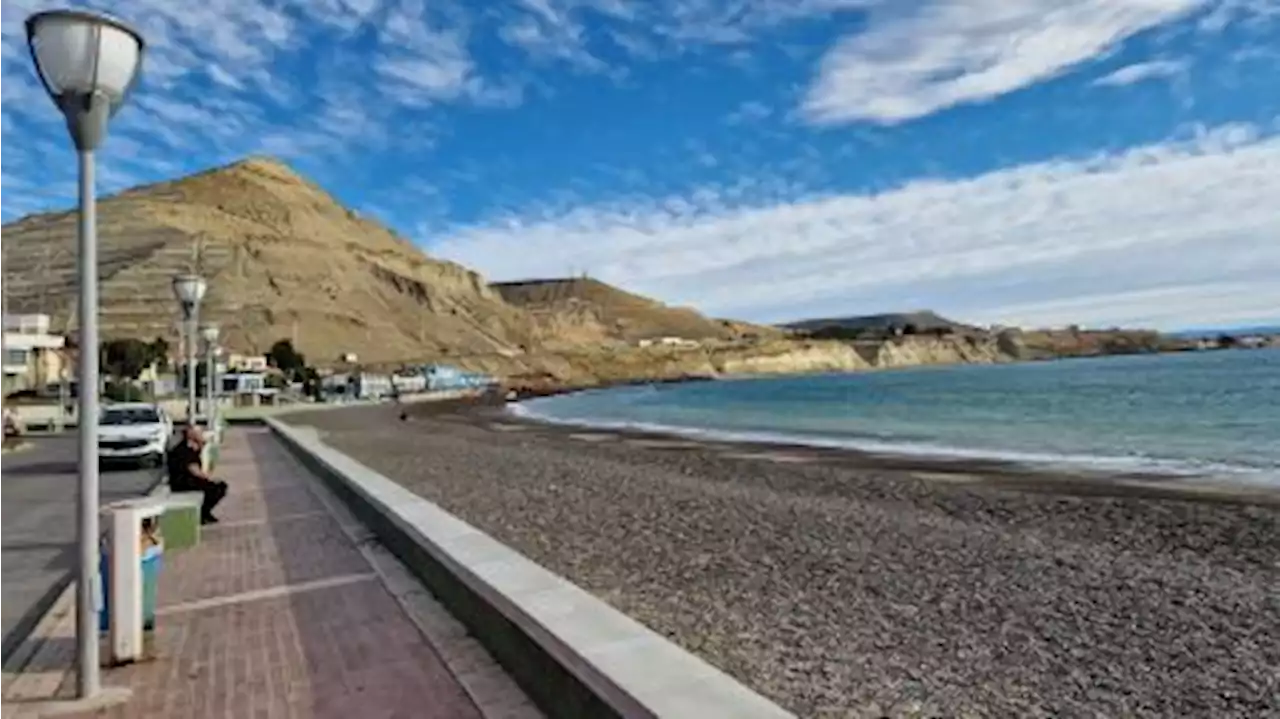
(246, 363)
(445, 377)
(356, 385)
(369, 385)
(33, 356)
(409, 383)
(247, 388)
(668, 342)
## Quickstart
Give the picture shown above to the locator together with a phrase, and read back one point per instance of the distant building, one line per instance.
(338, 386)
(668, 342)
(445, 377)
(33, 356)
(247, 388)
(246, 363)
(409, 383)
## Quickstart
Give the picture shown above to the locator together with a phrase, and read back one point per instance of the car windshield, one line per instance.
(133, 415)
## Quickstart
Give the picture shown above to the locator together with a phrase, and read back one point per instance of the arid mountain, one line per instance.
(919, 321)
(577, 311)
(283, 259)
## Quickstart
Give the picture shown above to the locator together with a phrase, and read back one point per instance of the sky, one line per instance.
(1028, 162)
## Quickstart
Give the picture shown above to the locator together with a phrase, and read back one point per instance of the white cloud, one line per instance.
(1141, 236)
(227, 78)
(299, 78)
(1138, 72)
(912, 62)
(749, 111)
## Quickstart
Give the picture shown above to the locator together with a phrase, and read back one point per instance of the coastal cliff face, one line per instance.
(1076, 342)
(782, 356)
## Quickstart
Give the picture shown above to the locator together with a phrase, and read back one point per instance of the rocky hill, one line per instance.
(921, 321)
(283, 259)
(576, 311)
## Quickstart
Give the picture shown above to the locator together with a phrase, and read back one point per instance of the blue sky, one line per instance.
(1018, 161)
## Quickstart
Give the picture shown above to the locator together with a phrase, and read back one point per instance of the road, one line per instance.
(39, 526)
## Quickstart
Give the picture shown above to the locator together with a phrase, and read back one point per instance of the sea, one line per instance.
(1212, 414)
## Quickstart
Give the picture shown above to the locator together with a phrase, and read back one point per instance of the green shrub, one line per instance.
(123, 392)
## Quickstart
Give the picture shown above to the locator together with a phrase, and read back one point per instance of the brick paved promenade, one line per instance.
(287, 608)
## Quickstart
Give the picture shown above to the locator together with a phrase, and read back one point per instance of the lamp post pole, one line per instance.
(87, 424)
(4, 331)
(193, 360)
(190, 289)
(87, 63)
(209, 333)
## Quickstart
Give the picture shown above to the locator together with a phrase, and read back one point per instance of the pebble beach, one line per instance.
(845, 585)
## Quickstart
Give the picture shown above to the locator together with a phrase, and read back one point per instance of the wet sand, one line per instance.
(846, 584)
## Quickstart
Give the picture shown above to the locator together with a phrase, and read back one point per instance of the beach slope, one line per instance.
(843, 585)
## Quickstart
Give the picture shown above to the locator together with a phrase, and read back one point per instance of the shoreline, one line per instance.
(992, 472)
(1251, 471)
(843, 584)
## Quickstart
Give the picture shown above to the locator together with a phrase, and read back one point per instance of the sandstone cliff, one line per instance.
(1076, 342)
(608, 365)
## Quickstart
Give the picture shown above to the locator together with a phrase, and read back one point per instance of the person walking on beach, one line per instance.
(187, 473)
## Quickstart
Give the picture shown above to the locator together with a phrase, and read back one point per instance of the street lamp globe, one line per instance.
(209, 333)
(189, 289)
(88, 63)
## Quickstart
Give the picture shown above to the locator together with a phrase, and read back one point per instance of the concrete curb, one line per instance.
(573, 654)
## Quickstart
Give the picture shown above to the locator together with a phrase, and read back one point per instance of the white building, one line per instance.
(409, 383)
(246, 363)
(668, 342)
(33, 357)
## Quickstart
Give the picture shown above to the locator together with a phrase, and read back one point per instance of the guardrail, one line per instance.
(572, 653)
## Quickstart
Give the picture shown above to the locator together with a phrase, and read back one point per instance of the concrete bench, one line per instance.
(180, 521)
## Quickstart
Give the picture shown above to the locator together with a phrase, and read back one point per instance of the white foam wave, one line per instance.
(1204, 471)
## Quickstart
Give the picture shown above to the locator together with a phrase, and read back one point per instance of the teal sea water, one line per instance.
(1197, 413)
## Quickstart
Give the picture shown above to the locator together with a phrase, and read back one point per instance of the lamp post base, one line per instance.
(105, 698)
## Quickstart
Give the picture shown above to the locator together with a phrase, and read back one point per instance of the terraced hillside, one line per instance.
(283, 258)
(579, 310)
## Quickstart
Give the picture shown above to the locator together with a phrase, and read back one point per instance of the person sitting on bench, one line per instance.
(187, 473)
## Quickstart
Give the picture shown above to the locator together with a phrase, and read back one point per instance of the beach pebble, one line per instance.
(847, 590)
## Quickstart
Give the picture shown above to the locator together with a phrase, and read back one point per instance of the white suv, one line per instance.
(134, 432)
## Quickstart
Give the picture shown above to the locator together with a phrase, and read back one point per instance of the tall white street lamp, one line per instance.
(189, 289)
(209, 333)
(88, 63)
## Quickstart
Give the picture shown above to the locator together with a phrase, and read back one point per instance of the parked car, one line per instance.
(135, 433)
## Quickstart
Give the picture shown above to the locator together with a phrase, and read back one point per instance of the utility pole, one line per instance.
(4, 334)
